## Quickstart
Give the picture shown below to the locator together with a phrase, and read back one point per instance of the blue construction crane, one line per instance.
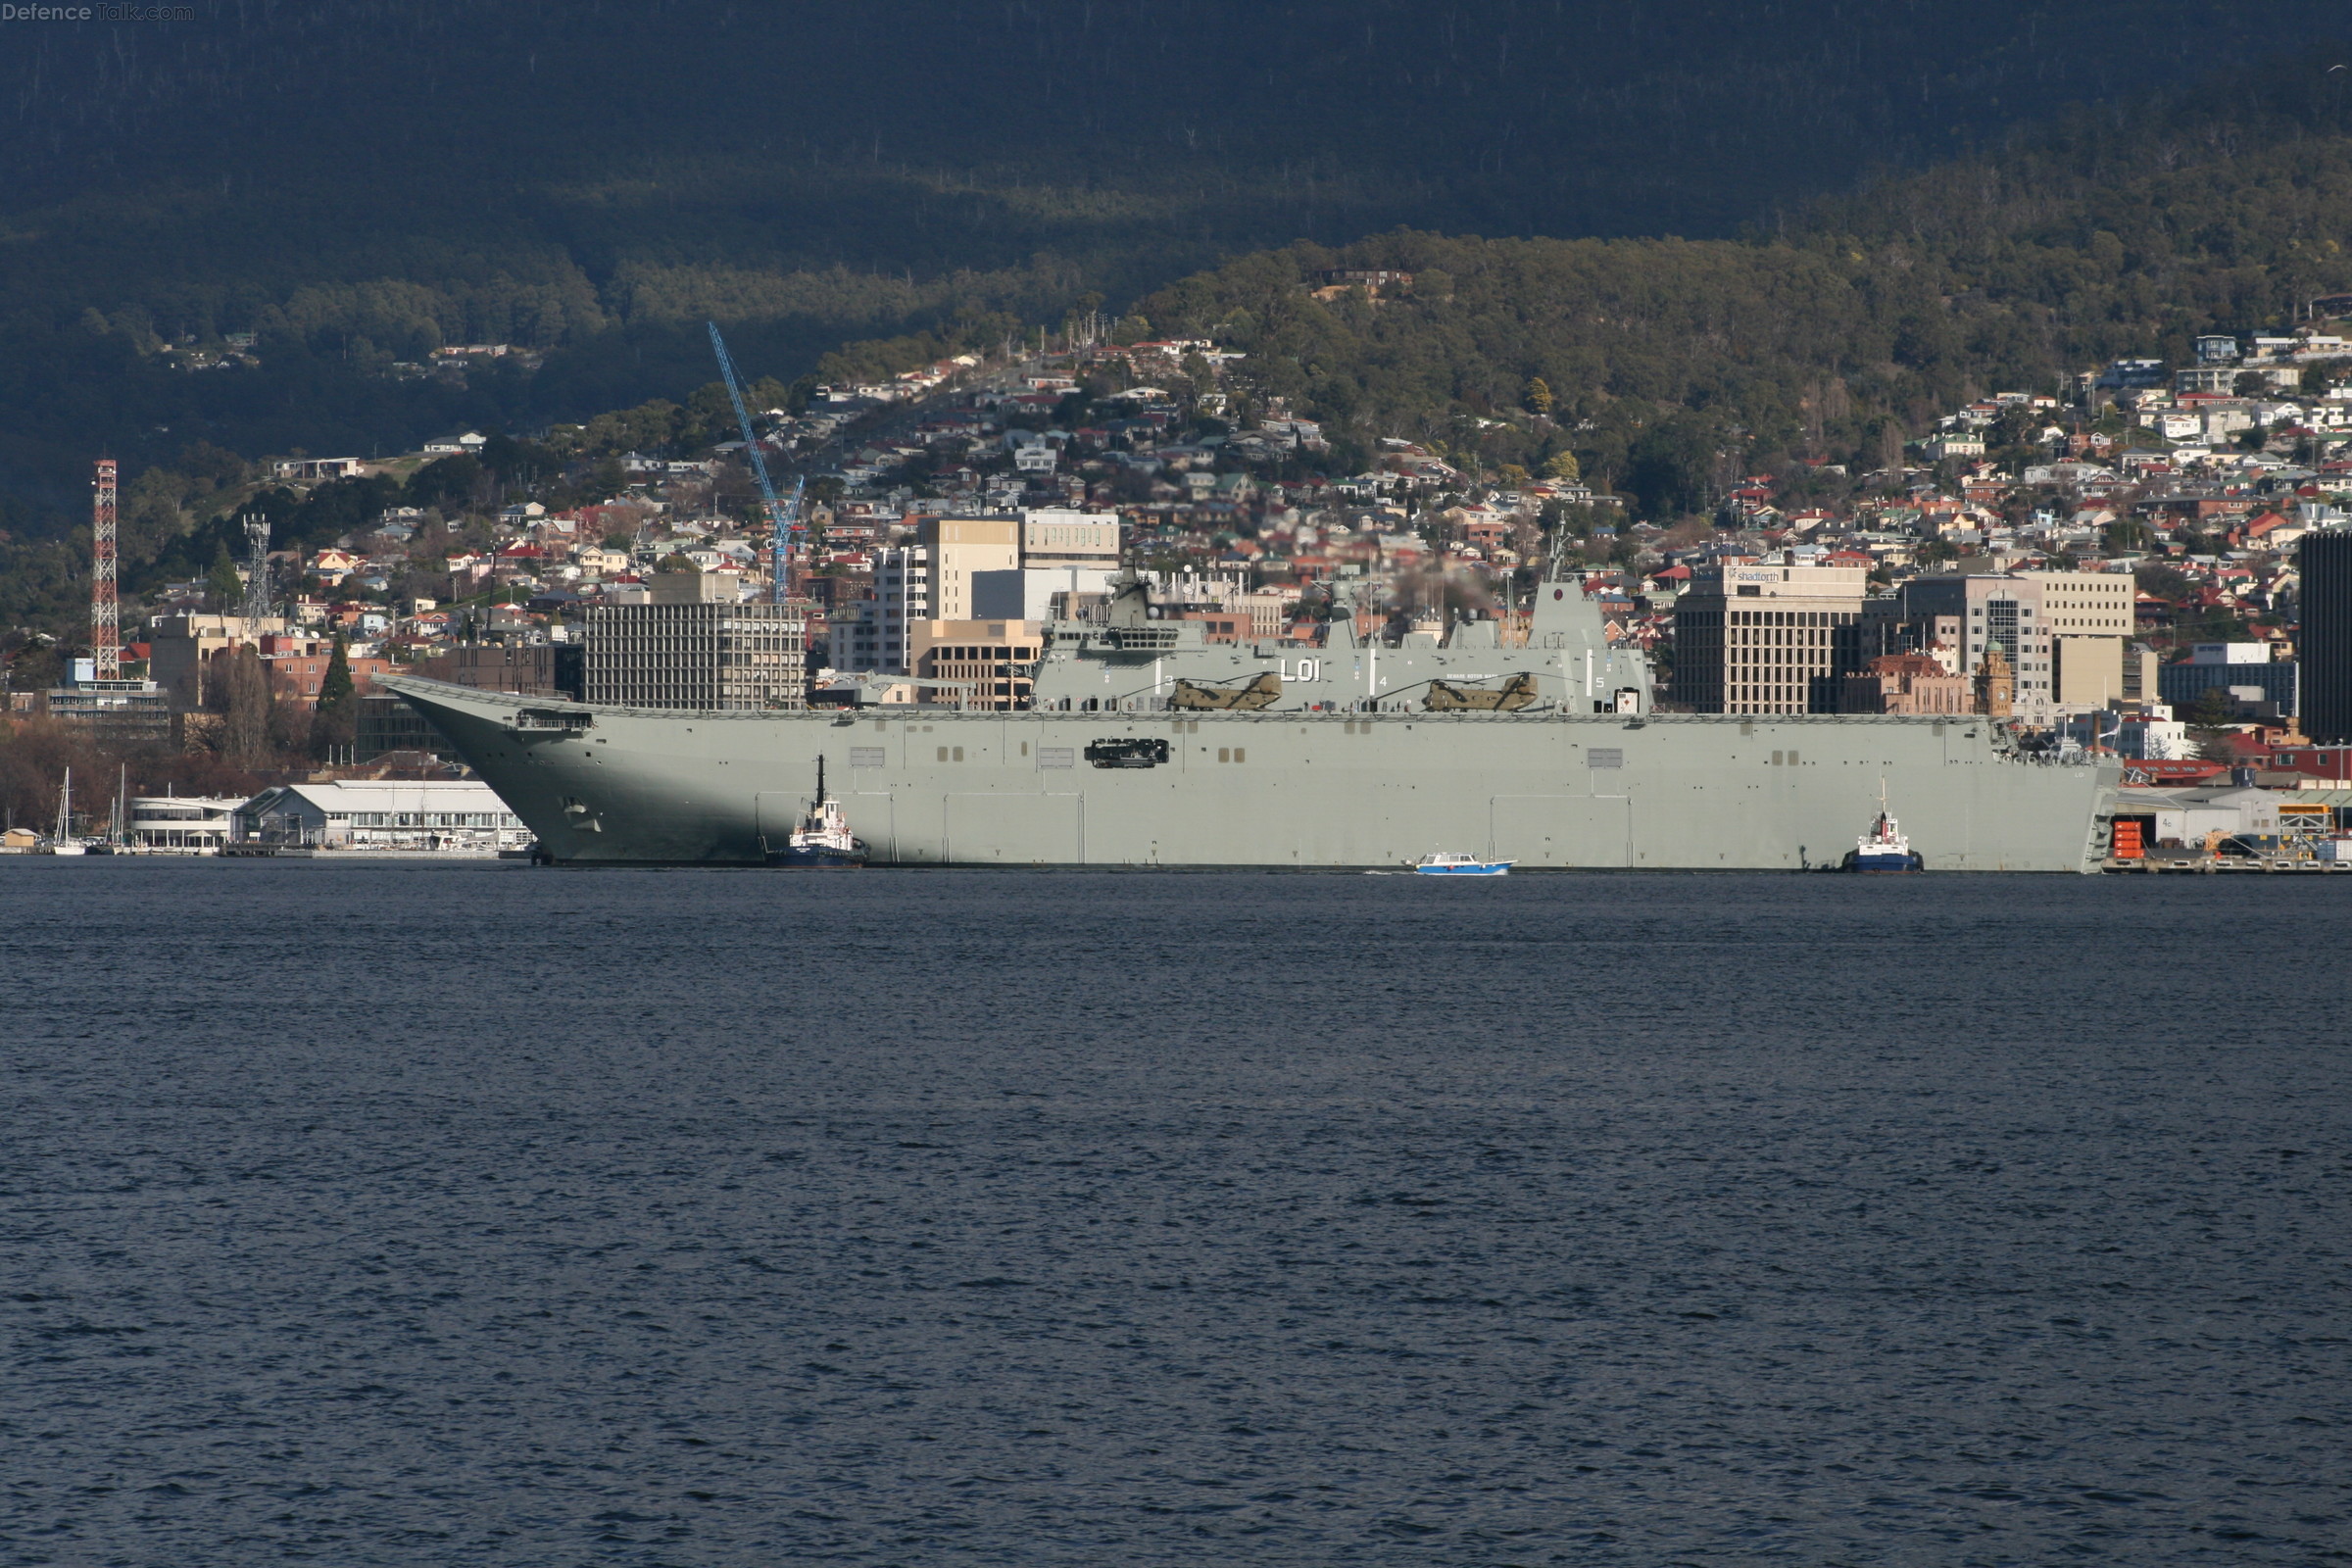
(786, 519)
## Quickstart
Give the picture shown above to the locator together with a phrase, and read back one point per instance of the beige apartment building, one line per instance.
(180, 649)
(1996, 613)
(2140, 689)
(2063, 637)
(1767, 639)
(976, 664)
(961, 571)
(956, 548)
(2089, 618)
(1059, 536)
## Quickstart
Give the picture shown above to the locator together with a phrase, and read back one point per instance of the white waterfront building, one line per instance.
(194, 824)
(461, 815)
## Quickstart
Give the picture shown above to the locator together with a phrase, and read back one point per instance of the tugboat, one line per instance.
(1447, 865)
(822, 841)
(1883, 850)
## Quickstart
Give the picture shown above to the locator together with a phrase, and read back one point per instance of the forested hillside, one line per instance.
(357, 180)
(1838, 332)
(1827, 327)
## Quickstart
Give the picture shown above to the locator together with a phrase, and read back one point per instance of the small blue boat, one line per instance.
(1460, 866)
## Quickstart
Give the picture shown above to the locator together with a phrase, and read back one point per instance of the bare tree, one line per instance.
(245, 737)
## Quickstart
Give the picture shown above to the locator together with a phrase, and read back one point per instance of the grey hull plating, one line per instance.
(1296, 790)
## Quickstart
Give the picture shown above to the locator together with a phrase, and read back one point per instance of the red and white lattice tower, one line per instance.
(106, 632)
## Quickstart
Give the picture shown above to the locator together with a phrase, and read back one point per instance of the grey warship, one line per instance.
(1146, 746)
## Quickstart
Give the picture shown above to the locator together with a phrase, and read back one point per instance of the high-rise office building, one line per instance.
(2088, 616)
(1061, 536)
(2323, 646)
(959, 547)
(874, 633)
(696, 646)
(1994, 614)
(1767, 639)
(961, 570)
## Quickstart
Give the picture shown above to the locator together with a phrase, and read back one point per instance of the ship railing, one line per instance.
(552, 720)
(1139, 639)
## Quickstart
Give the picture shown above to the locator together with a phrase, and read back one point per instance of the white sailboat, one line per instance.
(62, 841)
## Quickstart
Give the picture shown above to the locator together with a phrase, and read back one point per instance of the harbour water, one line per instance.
(480, 1214)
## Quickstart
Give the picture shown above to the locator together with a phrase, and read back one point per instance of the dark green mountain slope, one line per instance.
(357, 180)
(2097, 238)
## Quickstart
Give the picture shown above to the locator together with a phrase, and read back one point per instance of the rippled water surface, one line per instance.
(463, 1214)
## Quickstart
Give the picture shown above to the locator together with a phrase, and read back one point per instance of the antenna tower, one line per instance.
(106, 628)
(257, 571)
(1556, 554)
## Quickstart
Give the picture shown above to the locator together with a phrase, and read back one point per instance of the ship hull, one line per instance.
(1884, 864)
(803, 857)
(1279, 791)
